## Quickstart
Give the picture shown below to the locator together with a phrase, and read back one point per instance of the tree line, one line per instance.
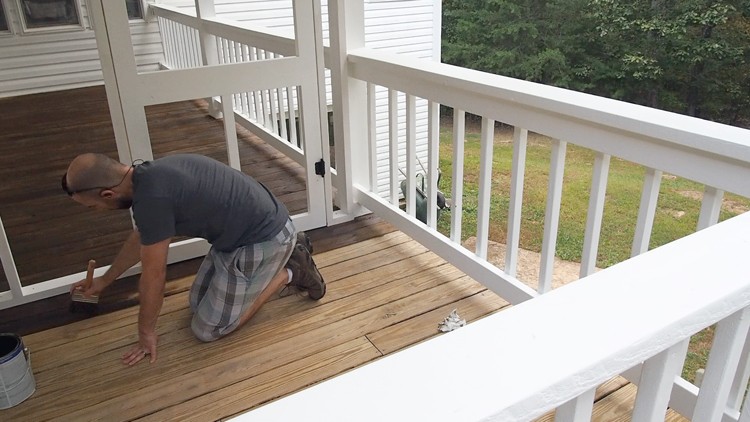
(687, 56)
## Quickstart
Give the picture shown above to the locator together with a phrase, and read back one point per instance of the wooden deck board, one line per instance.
(286, 331)
(269, 385)
(618, 406)
(375, 305)
(425, 326)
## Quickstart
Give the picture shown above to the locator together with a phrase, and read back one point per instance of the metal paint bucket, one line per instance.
(16, 378)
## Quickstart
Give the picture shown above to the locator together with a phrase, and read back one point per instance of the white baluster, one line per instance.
(520, 137)
(655, 385)
(457, 182)
(577, 410)
(485, 186)
(722, 364)
(710, 207)
(372, 136)
(393, 137)
(646, 211)
(552, 214)
(411, 154)
(433, 160)
(595, 214)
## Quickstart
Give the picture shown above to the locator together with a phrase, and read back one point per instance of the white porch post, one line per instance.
(10, 269)
(209, 54)
(120, 76)
(346, 23)
(96, 14)
(309, 49)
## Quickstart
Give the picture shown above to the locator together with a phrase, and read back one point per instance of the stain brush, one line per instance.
(79, 302)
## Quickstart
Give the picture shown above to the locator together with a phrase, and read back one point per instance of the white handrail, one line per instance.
(501, 368)
(710, 153)
(278, 41)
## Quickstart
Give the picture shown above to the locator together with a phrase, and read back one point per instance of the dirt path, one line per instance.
(528, 264)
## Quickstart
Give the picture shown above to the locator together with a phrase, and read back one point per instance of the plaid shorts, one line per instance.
(227, 283)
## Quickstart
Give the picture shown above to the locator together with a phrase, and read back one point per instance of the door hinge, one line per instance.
(320, 168)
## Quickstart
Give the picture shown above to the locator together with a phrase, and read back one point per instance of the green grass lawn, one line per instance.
(676, 216)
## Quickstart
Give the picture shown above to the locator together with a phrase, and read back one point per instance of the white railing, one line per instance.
(550, 353)
(714, 155)
(271, 114)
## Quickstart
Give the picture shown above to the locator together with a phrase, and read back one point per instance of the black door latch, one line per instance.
(320, 168)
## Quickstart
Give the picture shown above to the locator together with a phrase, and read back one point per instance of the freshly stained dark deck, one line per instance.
(42, 133)
(385, 291)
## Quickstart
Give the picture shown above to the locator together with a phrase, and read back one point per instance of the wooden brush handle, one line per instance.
(89, 274)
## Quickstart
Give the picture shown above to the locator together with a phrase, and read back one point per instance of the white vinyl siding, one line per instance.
(56, 60)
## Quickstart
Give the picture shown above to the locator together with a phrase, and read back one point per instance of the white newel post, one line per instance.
(346, 24)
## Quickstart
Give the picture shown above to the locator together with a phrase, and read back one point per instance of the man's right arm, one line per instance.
(129, 255)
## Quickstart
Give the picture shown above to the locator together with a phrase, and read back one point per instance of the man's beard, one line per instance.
(123, 204)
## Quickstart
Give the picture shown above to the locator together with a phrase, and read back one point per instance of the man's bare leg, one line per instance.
(277, 281)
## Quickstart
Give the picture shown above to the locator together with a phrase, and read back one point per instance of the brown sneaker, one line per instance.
(305, 275)
(304, 240)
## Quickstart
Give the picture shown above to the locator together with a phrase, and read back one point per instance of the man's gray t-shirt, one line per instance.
(193, 195)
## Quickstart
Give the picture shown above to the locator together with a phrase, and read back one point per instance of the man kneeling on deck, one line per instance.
(255, 248)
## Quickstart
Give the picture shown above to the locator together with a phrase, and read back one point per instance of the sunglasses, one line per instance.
(72, 192)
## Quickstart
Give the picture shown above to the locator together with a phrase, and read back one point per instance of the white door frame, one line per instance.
(129, 92)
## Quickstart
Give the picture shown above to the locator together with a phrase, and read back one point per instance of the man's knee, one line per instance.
(205, 333)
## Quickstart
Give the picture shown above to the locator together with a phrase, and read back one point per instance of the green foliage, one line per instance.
(521, 39)
(688, 56)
